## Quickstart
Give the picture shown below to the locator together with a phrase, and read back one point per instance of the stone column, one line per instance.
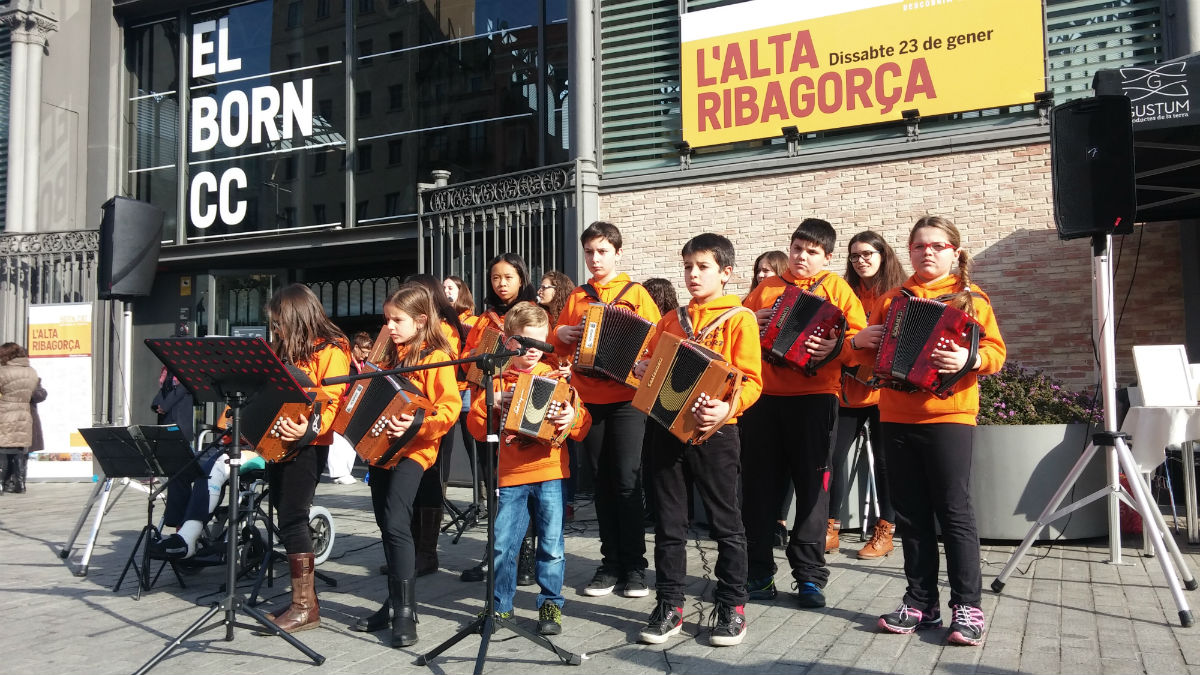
(29, 24)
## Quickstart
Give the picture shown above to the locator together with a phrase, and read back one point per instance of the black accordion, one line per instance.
(797, 315)
(681, 376)
(914, 328)
(613, 340)
(369, 404)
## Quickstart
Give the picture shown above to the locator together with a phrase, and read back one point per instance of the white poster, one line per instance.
(60, 349)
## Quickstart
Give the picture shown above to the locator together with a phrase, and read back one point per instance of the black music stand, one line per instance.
(144, 451)
(232, 371)
(488, 621)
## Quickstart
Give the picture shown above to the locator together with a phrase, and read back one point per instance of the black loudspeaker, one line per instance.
(130, 238)
(1091, 163)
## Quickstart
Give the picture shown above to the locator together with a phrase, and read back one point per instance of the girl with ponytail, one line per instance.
(928, 442)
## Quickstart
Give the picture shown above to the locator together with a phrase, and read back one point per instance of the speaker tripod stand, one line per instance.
(1117, 455)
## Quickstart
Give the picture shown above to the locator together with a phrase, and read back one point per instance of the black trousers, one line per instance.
(930, 468)
(430, 492)
(292, 486)
(713, 467)
(189, 501)
(850, 422)
(392, 494)
(787, 438)
(614, 449)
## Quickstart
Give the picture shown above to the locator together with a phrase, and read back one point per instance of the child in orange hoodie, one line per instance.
(788, 434)
(531, 476)
(928, 443)
(719, 322)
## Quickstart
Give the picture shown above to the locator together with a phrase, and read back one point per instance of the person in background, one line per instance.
(552, 297)
(553, 291)
(459, 295)
(663, 294)
(18, 383)
(871, 270)
(341, 453)
(769, 264)
(174, 405)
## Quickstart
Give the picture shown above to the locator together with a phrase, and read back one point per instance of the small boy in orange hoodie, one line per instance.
(789, 432)
(718, 322)
(529, 471)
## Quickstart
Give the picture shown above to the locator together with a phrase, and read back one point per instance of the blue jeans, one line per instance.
(512, 520)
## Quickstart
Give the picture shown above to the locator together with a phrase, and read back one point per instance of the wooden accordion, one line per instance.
(796, 316)
(681, 376)
(534, 399)
(613, 340)
(369, 404)
(491, 341)
(914, 328)
(263, 413)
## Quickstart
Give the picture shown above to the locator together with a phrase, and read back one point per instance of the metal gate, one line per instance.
(461, 227)
(41, 268)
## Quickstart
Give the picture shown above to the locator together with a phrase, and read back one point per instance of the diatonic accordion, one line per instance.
(263, 413)
(797, 315)
(613, 340)
(534, 399)
(681, 376)
(490, 342)
(368, 406)
(914, 328)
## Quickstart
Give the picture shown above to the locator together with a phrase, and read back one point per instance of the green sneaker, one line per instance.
(549, 619)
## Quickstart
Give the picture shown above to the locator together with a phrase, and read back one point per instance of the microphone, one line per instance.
(531, 343)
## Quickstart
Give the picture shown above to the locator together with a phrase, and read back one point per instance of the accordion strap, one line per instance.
(689, 332)
(590, 291)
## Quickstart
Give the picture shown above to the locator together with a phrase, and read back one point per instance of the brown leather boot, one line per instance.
(304, 612)
(428, 523)
(881, 541)
(831, 535)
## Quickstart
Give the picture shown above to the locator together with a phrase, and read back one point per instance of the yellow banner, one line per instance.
(70, 337)
(853, 68)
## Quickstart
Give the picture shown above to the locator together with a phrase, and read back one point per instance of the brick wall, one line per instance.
(999, 199)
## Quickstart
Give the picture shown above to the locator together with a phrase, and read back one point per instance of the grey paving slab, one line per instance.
(1064, 609)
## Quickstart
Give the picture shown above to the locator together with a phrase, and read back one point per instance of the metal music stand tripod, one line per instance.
(144, 451)
(1113, 444)
(232, 371)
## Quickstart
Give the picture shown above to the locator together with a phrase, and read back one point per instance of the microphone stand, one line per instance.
(488, 620)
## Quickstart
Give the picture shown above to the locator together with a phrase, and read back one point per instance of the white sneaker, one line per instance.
(345, 480)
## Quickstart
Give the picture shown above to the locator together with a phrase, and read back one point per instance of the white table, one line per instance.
(1152, 429)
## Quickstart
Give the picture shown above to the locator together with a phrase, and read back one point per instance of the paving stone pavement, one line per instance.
(1064, 611)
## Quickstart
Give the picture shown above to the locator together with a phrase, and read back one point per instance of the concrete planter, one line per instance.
(1015, 472)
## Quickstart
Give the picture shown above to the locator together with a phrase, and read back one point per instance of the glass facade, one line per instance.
(282, 100)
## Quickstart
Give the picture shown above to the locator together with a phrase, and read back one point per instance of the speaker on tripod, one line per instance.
(130, 239)
(1092, 167)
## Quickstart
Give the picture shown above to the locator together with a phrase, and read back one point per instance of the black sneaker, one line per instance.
(635, 584)
(762, 589)
(664, 622)
(729, 625)
(602, 583)
(171, 548)
(549, 619)
(967, 626)
(907, 619)
(527, 563)
(476, 573)
(809, 595)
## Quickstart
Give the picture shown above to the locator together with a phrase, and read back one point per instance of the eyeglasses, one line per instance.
(545, 288)
(937, 247)
(865, 255)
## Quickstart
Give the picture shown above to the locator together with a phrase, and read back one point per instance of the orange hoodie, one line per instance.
(523, 462)
(736, 340)
(599, 389)
(784, 381)
(331, 361)
(962, 406)
(855, 394)
(439, 386)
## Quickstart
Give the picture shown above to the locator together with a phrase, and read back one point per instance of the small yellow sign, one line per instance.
(185, 286)
(751, 69)
(66, 338)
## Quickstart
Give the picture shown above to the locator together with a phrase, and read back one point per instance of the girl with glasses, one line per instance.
(871, 270)
(928, 443)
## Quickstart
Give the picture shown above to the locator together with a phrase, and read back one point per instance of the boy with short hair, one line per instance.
(788, 434)
(614, 445)
(529, 471)
(719, 322)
